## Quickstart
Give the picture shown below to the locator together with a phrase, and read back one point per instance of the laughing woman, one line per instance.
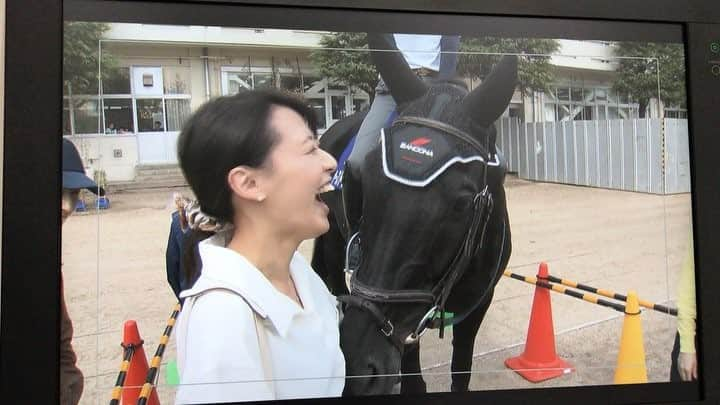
(257, 323)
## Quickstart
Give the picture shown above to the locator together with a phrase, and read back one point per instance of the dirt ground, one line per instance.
(114, 270)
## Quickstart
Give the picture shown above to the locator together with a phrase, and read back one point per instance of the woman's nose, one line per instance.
(330, 162)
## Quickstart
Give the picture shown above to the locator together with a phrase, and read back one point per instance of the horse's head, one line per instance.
(419, 206)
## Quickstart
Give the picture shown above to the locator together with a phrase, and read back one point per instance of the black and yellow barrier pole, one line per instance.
(564, 290)
(120, 382)
(147, 388)
(613, 295)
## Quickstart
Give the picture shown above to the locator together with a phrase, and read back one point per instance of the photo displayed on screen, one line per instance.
(277, 214)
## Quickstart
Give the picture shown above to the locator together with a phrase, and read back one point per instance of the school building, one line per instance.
(128, 129)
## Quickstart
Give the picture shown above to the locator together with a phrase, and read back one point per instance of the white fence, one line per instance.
(644, 155)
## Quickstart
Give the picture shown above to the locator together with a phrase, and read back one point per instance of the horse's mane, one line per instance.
(443, 99)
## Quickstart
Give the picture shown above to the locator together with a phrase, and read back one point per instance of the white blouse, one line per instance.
(217, 346)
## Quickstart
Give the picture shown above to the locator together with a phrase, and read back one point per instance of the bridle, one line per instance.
(369, 298)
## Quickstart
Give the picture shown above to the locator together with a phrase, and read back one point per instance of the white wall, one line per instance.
(97, 152)
(584, 55)
(213, 35)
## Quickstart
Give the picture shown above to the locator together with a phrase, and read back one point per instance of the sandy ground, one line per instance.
(114, 270)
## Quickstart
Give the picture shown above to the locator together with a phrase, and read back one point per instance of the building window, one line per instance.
(86, 115)
(312, 84)
(360, 104)
(338, 107)
(579, 103)
(160, 103)
(117, 81)
(318, 106)
(234, 82)
(291, 82)
(176, 79)
(262, 80)
(150, 115)
(177, 111)
(118, 115)
(330, 101)
(337, 101)
(675, 112)
(237, 79)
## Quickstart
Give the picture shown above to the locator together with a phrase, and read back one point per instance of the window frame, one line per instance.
(629, 110)
(133, 96)
(319, 91)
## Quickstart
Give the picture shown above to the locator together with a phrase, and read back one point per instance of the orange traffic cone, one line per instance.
(631, 357)
(539, 361)
(138, 368)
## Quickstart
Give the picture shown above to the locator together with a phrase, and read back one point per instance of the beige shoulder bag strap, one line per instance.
(264, 352)
(260, 332)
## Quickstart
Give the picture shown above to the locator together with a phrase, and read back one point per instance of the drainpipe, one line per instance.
(207, 73)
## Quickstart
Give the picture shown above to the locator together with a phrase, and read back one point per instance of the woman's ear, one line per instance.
(243, 182)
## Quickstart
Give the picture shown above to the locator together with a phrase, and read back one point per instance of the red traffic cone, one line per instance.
(138, 368)
(539, 361)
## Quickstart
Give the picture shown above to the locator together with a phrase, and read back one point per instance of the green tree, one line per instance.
(342, 63)
(535, 73)
(80, 57)
(639, 77)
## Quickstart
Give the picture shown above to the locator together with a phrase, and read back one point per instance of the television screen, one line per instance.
(495, 204)
(592, 138)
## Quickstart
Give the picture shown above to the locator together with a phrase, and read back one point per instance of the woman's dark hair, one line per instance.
(222, 134)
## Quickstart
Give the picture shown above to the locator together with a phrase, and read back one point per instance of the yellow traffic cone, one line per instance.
(631, 357)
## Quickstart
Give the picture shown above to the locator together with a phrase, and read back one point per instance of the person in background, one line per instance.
(73, 180)
(431, 57)
(258, 323)
(173, 254)
(179, 230)
(110, 129)
(684, 357)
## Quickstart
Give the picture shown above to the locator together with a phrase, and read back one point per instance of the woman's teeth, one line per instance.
(326, 188)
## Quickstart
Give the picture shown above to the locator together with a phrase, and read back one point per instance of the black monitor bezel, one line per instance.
(31, 238)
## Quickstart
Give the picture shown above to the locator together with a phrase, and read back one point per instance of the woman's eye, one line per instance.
(314, 149)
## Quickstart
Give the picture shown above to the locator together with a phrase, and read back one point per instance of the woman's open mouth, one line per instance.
(324, 189)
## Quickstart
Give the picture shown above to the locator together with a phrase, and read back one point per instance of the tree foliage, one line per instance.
(534, 72)
(639, 77)
(80, 56)
(342, 63)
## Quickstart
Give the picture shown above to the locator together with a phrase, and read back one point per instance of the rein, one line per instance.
(369, 298)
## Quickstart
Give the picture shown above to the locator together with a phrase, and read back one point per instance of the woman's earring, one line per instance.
(260, 198)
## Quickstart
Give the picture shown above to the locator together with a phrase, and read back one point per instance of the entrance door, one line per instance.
(155, 144)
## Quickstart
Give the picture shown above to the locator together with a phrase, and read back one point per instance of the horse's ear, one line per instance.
(404, 85)
(491, 98)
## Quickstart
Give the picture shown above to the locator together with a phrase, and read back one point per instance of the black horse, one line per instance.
(429, 213)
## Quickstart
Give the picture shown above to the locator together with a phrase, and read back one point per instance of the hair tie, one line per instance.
(180, 203)
(196, 219)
